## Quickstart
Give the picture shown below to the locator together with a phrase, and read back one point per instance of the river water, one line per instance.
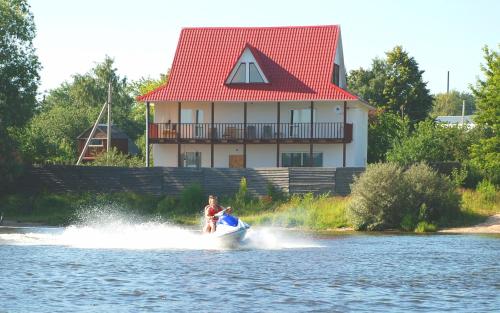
(155, 267)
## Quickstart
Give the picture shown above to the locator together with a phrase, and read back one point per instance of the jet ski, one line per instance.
(230, 230)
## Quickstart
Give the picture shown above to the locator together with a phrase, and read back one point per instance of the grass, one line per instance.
(476, 207)
(306, 212)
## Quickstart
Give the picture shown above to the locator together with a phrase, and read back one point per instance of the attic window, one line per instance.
(247, 70)
(240, 75)
(254, 76)
(336, 74)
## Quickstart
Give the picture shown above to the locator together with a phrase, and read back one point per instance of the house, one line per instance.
(258, 97)
(456, 120)
(98, 143)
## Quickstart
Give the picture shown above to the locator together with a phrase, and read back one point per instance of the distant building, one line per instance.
(98, 143)
(456, 120)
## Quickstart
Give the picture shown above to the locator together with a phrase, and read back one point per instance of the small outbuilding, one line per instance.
(98, 143)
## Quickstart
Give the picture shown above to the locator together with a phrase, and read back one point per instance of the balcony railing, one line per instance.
(253, 132)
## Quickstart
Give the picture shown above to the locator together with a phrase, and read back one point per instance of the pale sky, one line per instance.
(72, 35)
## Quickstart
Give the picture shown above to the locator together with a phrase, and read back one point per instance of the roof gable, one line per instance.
(296, 61)
(247, 63)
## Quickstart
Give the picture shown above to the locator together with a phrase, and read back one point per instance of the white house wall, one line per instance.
(259, 112)
(264, 155)
(258, 155)
(356, 151)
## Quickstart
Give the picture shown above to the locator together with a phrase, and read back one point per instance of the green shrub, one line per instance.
(275, 193)
(425, 227)
(386, 196)
(431, 196)
(487, 191)
(192, 199)
(242, 197)
(167, 206)
(379, 198)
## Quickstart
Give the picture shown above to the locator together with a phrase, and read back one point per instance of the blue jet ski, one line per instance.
(230, 230)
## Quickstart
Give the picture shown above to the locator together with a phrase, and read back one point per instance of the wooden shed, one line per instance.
(98, 143)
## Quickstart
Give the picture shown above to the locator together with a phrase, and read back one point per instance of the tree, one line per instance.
(138, 114)
(451, 103)
(394, 84)
(369, 84)
(19, 81)
(19, 64)
(431, 142)
(384, 130)
(69, 109)
(486, 153)
(404, 88)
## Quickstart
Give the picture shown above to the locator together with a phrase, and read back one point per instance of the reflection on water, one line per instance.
(134, 267)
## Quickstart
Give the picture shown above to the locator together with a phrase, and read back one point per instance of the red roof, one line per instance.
(297, 61)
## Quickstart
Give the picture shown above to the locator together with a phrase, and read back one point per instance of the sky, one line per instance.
(141, 36)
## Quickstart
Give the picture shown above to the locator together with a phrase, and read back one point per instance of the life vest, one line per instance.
(212, 210)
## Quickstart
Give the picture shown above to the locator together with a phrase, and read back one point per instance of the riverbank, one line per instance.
(313, 213)
(490, 226)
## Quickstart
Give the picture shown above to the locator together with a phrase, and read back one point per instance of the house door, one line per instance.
(236, 160)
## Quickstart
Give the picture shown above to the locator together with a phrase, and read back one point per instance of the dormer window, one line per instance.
(336, 74)
(254, 74)
(247, 70)
(241, 74)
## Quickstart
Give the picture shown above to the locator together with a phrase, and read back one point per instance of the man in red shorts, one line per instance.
(210, 211)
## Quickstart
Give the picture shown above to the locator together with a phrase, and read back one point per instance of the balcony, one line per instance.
(221, 133)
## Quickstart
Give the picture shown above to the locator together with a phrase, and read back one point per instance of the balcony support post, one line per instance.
(343, 134)
(212, 135)
(311, 136)
(278, 134)
(244, 134)
(179, 129)
(147, 134)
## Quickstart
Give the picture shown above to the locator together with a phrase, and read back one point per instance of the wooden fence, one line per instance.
(171, 181)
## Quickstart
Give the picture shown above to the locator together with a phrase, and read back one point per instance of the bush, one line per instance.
(192, 199)
(424, 227)
(432, 196)
(274, 193)
(487, 191)
(379, 198)
(386, 196)
(167, 206)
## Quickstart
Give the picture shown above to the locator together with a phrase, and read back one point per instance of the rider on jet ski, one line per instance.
(210, 211)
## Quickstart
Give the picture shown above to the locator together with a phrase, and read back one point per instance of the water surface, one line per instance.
(157, 267)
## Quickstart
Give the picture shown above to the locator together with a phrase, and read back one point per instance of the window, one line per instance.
(241, 74)
(198, 119)
(186, 116)
(96, 143)
(300, 121)
(302, 116)
(192, 159)
(336, 74)
(301, 159)
(247, 70)
(255, 76)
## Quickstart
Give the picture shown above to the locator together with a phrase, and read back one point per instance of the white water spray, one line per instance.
(109, 229)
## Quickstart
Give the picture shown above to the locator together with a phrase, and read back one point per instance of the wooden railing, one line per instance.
(253, 132)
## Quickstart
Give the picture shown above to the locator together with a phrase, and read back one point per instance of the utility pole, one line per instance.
(448, 84)
(463, 112)
(108, 144)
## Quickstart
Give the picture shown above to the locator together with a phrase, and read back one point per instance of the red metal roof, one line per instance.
(297, 61)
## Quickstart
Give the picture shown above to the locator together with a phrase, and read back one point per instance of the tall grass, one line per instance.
(307, 211)
(297, 211)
